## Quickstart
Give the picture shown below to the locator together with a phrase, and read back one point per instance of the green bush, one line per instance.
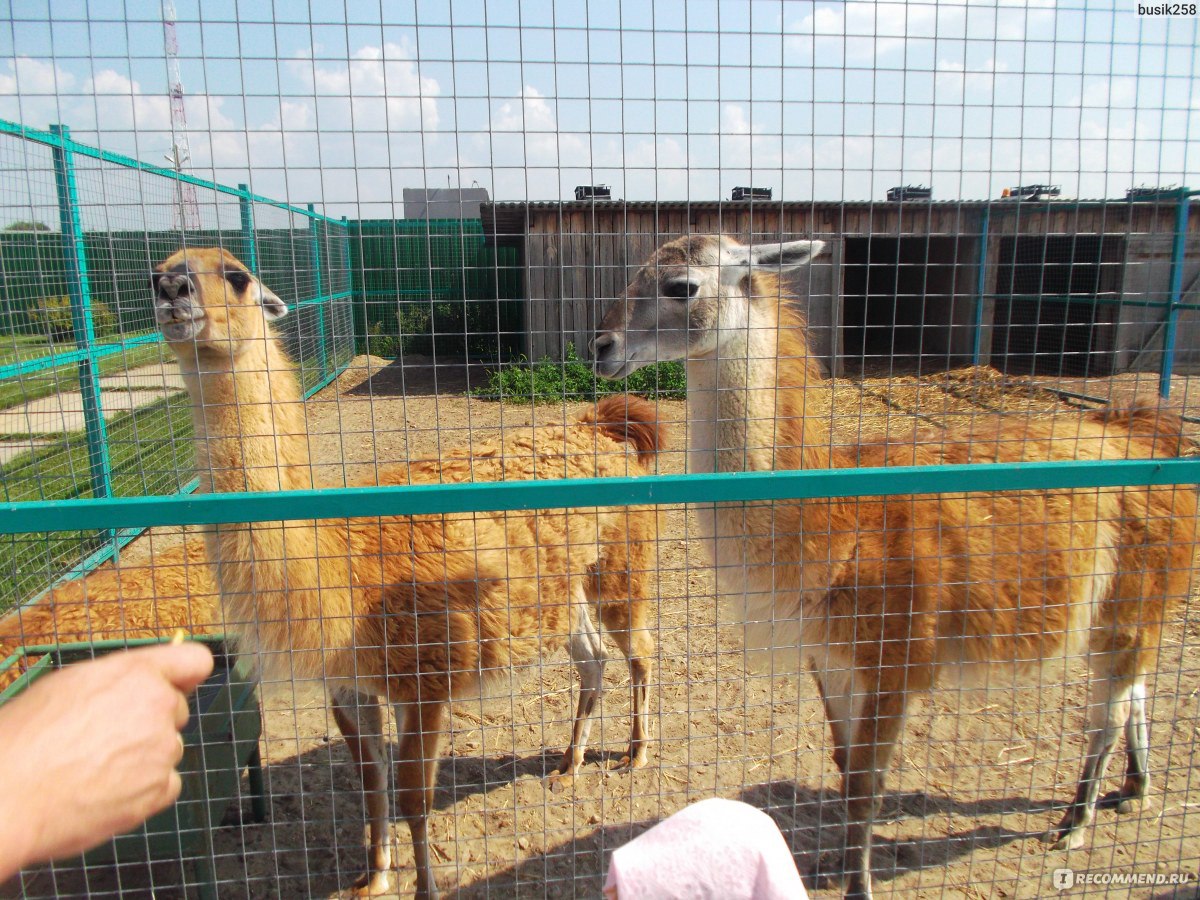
(52, 317)
(380, 344)
(551, 381)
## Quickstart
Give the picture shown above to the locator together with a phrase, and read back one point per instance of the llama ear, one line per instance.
(273, 307)
(784, 256)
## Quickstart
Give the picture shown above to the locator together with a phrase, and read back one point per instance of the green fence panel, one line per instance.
(433, 287)
(77, 316)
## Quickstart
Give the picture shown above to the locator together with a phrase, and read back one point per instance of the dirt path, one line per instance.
(62, 413)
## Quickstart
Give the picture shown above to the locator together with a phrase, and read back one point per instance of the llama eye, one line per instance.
(239, 280)
(680, 290)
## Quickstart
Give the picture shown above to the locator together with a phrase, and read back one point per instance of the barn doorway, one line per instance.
(1052, 316)
(906, 303)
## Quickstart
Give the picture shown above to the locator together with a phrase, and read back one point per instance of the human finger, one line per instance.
(181, 711)
(183, 665)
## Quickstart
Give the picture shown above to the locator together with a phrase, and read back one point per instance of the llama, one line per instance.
(172, 590)
(412, 610)
(882, 596)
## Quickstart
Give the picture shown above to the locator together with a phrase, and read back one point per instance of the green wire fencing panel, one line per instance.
(776, 419)
(91, 404)
(434, 287)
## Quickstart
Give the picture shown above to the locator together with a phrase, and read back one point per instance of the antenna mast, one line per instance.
(187, 212)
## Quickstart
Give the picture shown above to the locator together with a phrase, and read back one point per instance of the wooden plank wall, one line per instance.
(579, 257)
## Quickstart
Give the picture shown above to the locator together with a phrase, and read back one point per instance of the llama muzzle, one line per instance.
(175, 309)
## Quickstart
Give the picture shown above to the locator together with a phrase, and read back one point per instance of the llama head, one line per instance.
(206, 301)
(694, 294)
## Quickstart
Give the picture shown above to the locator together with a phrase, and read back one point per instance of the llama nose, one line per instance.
(174, 301)
(172, 286)
(602, 343)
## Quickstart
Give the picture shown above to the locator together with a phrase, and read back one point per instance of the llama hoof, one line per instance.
(628, 763)
(1123, 802)
(560, 781)
(1066, 838)
(377, 884)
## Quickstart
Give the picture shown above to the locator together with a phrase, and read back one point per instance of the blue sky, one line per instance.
(347, 103)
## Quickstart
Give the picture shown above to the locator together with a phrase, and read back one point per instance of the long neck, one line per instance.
(285, 586)
(249, 419)
(746, 408)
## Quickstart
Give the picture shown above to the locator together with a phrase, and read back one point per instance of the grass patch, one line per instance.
(150, 453)
(47, 382)
(20, 347)
(551, 381)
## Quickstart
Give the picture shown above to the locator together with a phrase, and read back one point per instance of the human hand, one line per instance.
(90, 751)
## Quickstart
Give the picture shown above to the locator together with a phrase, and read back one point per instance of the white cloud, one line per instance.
(383, 84)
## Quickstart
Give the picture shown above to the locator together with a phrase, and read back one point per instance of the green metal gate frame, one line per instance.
(88, 352)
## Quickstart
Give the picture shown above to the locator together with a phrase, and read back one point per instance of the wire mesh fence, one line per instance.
(882, 512)
(91, 406)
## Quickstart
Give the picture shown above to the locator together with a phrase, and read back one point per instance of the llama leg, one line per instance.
(835, 688)
(627, 625)
(1109, 712)
(587, 652)
(360, 718)
(1137, 749)
(875, 733)
(416, 777)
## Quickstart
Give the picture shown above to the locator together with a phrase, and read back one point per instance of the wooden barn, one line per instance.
(1050, 287)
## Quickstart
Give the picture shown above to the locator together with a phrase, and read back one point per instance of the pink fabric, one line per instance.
(712, 850)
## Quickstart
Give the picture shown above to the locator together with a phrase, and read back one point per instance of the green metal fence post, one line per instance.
(349, 277)
(1182, 206)
(246, 208)
(314, 230)
(80, 292)
(980, 285)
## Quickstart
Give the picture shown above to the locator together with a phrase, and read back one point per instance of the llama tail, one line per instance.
(1146, 418)
(628, 419)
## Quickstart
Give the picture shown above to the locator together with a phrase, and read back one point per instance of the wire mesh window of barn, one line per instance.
(554, 415)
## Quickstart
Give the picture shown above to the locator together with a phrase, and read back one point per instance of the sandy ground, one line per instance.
(979, 777)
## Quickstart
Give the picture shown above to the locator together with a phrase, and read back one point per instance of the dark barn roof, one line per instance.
(506, 222)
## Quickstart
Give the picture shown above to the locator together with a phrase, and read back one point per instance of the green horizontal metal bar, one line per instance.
(340, 295)
(433, 499)
(51, 140)
(410, 293)
(57, 360)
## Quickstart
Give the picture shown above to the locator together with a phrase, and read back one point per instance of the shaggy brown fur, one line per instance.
(174, 589)
(414, 610)
(881, 596)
